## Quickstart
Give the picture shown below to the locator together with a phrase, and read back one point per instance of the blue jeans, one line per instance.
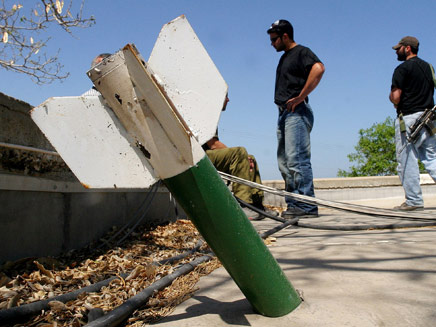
(424, 149)
(293, 154)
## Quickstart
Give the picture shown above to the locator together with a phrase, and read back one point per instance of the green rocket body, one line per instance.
(220, 220)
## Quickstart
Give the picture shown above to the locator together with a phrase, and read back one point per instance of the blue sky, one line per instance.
(352, 38)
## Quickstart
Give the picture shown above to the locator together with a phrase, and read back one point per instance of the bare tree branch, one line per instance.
(22, 47)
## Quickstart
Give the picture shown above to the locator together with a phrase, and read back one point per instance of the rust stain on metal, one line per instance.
(86, 186)
(172, 22)
(130, 47)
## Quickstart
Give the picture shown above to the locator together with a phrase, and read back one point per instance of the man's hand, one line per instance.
(291, 104)
(251, 161)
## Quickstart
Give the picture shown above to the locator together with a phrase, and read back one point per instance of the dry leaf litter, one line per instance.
(52, 277)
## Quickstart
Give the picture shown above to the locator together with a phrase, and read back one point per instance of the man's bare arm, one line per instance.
(312, 82)
(395, 96)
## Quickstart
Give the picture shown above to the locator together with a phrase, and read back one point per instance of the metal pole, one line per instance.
(28, 148)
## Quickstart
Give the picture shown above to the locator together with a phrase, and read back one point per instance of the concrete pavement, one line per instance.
(346, 278)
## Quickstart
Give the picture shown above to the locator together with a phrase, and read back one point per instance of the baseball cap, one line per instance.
(407, 40)
(280, 27)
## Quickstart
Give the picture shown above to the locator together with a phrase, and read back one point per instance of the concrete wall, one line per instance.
(17, 128)
(16, 125)
(41, 217)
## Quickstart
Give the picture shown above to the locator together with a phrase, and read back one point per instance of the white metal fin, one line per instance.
(189, 77)
(93, 143)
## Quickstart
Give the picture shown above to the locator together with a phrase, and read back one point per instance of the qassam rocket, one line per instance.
(148, 124)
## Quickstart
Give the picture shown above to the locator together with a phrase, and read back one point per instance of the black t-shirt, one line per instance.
(415, 80)
(292, 72)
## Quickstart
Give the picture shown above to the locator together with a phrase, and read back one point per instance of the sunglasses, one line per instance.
(274, 39)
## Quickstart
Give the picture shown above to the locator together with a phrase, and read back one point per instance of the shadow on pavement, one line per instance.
(232, 313)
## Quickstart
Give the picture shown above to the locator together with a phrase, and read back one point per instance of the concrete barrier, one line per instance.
(41, 217)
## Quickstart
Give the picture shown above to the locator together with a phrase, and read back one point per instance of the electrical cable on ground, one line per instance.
(260, 211)
(155, 187)
(333, 204)
(299, 223)
(142, 210)
(365, 227)
(271, 231)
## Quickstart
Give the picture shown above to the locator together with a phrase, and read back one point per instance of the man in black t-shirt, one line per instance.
(411, 93)
(298, 73)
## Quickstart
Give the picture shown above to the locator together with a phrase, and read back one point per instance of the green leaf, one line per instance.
(375, 152)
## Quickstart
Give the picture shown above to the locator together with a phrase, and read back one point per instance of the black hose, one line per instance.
(8, 316)
(17, 313)
(181, 256)
(134, 218)
(121, 313)
(260, 211)
(156, 186)
(143, 208)
(365, 227)
(271, 231)
(298, 223)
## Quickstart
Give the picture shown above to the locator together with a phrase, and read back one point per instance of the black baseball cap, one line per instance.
(281, 27)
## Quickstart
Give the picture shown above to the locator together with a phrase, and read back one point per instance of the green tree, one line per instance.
(375, 152)
(22, 27)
